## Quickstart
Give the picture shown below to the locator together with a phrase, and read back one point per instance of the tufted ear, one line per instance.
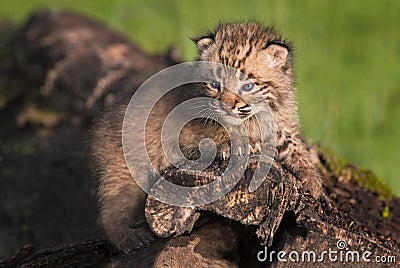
(203, 42)
(277, 55)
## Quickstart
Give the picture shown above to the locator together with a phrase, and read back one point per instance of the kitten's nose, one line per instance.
(229, 100)
(225, 106)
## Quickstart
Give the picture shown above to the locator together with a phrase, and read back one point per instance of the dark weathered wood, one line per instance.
(83, 67)
(263, 208)
(81, 254)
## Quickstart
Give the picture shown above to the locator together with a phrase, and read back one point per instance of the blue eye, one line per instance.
(248, 87)
(215, 85)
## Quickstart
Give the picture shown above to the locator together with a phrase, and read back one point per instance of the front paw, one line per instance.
(242, 149)
(130, 239)
(224, 151)
(254, 148)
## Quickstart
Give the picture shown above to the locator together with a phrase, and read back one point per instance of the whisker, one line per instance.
(195, 107)
(201, 111)
(204, 117)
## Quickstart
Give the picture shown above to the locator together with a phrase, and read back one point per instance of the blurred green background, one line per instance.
(347, 59)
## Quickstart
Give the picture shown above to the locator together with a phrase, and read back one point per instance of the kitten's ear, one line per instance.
(203, 42)
(277, 55)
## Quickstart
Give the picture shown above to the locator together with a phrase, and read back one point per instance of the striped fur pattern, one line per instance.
(267, 61)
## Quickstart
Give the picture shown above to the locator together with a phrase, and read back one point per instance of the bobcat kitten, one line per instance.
(256, 51)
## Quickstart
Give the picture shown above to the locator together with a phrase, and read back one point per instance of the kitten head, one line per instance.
(244, 45)
(262, 56)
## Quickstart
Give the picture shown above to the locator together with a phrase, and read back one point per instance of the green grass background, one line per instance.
(347, 59)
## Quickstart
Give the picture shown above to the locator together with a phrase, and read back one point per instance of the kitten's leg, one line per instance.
(292, 152)
(121, 211)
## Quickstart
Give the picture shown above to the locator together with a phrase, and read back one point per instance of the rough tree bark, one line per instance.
(84, 67)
